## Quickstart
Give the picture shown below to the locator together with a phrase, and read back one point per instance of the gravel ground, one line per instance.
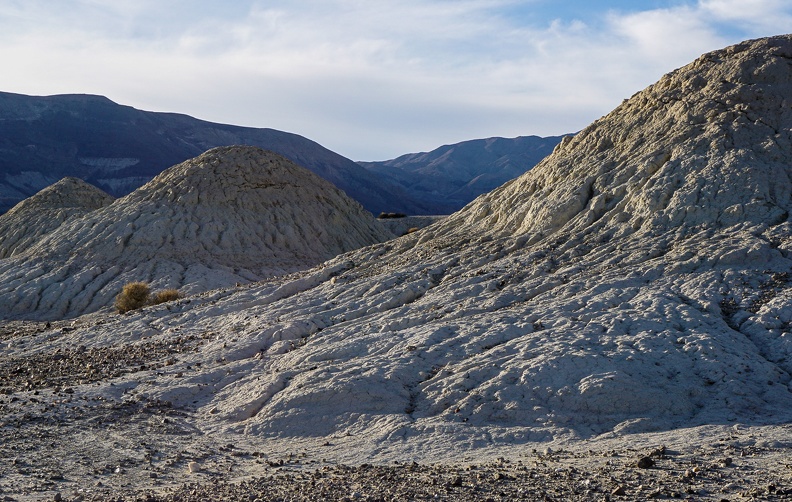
(58, 444)
(549, 477)
(147, 455)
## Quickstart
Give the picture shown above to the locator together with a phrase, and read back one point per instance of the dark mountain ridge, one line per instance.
(454, 175)
(119, 148)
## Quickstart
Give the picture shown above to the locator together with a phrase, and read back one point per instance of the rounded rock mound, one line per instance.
(233, 214)
(638, 279)
(36, 216)
(708, 145)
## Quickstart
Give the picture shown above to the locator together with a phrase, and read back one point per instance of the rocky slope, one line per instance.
(633, 288)
(233, 214)
(454, 175)
(42, 213)
(119, 148)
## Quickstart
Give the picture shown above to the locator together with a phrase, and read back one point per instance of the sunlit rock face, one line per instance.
(636, 279)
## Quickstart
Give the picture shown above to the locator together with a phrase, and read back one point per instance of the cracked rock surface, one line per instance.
(233, 214)
(630, 292)
(44, 212)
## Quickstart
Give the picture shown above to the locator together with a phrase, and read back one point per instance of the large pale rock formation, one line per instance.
(233, 214)
(42, 213)
(636, 280)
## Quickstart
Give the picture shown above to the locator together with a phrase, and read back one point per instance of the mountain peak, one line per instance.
(67, 193)
(708, 144)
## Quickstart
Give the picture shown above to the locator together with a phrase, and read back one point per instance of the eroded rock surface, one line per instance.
(42, 213)
(233, 214)
(633, 288)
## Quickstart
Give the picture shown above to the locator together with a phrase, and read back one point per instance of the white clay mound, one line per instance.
(233, 214)
(28, 221)
(636, 280)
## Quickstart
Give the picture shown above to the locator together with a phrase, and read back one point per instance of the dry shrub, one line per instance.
(411, 230)
(133, 296)
(166, 295)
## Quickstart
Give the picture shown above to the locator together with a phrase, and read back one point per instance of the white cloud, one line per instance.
(664, 36)
(770, 16)
(367, 79)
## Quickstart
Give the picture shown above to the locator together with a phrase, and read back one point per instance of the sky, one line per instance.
(370, 79)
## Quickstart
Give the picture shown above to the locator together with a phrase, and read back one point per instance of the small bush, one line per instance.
(133, 296)
(411, 230)
(385, 215)
(166, 295)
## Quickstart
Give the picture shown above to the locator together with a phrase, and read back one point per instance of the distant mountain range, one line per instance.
(454, 175)
(119, 148)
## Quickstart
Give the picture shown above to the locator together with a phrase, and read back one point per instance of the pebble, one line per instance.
(619, 490)
(645, 463)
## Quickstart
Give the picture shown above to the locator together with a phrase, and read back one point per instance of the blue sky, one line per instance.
(370, 80)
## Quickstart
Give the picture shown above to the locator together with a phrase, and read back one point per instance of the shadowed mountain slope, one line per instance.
(233, 214)
(454, 175)
(119, 148)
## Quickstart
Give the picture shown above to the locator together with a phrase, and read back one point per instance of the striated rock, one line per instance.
(580, 298)
(633, 289)
(234, 214)
(706, 146)
(42, 213)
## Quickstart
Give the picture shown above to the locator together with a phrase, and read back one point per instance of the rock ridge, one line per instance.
(42, 213)
(233, 214)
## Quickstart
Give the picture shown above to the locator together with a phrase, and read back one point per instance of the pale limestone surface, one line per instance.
(233, 214)
(632, 289)
(36, 216)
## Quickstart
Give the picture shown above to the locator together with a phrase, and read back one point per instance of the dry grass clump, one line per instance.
(166, 295)
(133, 296)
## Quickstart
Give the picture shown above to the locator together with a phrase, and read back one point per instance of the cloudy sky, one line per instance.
(370, 79)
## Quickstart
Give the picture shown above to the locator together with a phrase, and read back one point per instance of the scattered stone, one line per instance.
(645, 462)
